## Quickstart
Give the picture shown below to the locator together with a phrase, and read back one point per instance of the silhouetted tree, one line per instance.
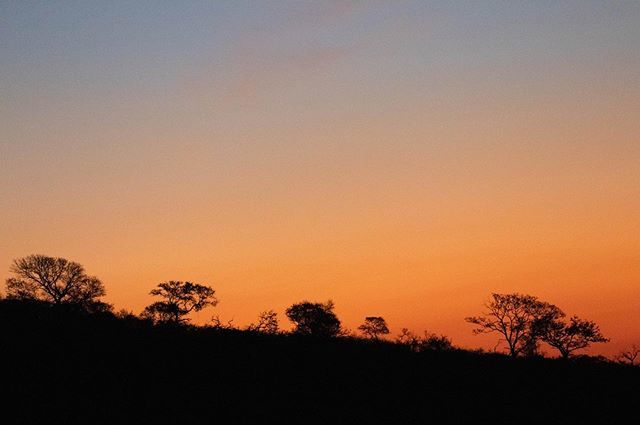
(572, 336)
(513, 316)
(267, 323)
(373, 327)
(180, 298)
(531, 345)
(315, 319)
(630, 356)
(55, 280)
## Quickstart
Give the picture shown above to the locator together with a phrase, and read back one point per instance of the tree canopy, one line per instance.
(179, 299)
(317, 319)
(373, 327)
(513, 317)
(568, 337)
(55, 280)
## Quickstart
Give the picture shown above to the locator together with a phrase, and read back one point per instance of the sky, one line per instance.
(403, 158)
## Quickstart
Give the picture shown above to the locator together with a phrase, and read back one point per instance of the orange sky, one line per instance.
(401, 159)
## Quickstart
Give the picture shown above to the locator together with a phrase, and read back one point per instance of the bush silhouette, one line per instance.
(267, 323)
(435, 342)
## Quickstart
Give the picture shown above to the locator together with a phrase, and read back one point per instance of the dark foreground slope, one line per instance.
(61, 366)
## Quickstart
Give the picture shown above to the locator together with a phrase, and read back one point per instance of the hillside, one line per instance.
(64, 366)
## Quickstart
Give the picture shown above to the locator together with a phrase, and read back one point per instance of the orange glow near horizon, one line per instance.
(399, 161)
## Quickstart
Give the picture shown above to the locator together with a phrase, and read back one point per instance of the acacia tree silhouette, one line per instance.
(180, 299)
(315, 319)
(513, 316)
(55, 280)
(569, 337)
(373, 327)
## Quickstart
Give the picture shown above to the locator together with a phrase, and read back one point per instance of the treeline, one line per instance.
(522, 322)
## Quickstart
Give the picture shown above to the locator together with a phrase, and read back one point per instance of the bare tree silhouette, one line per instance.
(316, 319)
(218, 323)
(409, 339)
(180, 298)
(569, 337)
(512, 316)
(267, 323)
(373, 327)
(55, 280)
(630, 356)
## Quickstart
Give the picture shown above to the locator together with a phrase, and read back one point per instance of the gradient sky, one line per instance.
(403, 158)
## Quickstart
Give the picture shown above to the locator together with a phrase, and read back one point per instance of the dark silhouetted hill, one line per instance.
(61, 365)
